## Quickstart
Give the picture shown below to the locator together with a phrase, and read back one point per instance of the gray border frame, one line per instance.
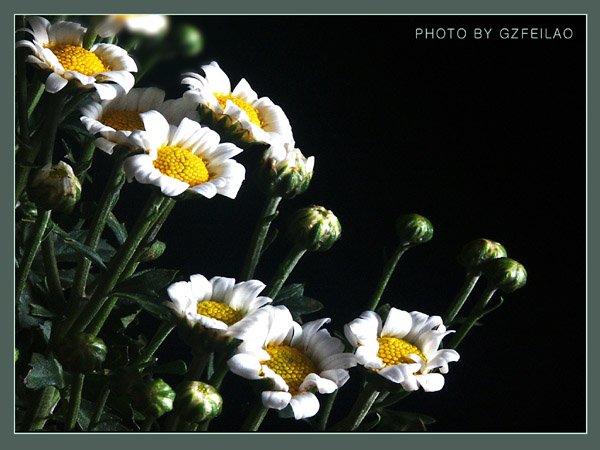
(306, 7)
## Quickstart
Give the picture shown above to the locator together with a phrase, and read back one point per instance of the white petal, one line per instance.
(363, 329)
(245, 366)
(55, 83)
(304, 405)
(201, 288)
(397, 324)
(431, 382)
(275, 399)
(323, 385)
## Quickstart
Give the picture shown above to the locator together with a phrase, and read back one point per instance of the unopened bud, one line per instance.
(197, 401)
(314, 228)
(285, 171)
(82, 353)
(475, 253)
(188, 40)
(155, 251)
(505, 274)
(55, 187)
(153, 397)
(413, 229)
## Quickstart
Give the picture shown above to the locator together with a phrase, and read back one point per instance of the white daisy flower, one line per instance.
(183, 158)
(218, 303)
(298, 360)
(148, 24)
(115, 119)
(404, 350)
(58, 48)
(264, 120)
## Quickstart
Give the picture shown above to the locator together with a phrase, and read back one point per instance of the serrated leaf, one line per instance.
(24, 316)
(147, 281)
(80, 248)
(66, 253)
(300, 306)
(149, 303)
(117, 228)
(44, 372)
(290, 291)
(126, 320)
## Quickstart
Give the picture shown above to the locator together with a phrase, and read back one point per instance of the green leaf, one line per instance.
(117, 228)
(126, 320)
(300, 306)
(372, 423)
(147, 281)
(66, 253)
(80, 248)
(289, 292)
(149, 303)
(403, 421)
(24, 305)
(44, 372)
(107, 422)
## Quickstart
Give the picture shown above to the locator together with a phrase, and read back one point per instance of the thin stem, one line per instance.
(74, 402)
(86, 155)
(145, 221)
(326, 411)
(99, 408)
(197, 366)
(258, 237)
(98, 322)
(361, 408)
(35, 98)
(159, 337)
(44, 402)
(474, 316)
(390, 400)
(284, 271)
(256, 417)
(57, 298)
(462, 296)
(388, 269)
(147, 426)
(30, 250)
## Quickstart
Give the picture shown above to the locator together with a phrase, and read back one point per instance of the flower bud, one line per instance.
(505, 274)
(413, 229)
(154, 252)
(314, 228)
(55, 187)
(188, 40)
(285, 172)
(475, 253)
(82, 353)
(196, 401)
(153, 397)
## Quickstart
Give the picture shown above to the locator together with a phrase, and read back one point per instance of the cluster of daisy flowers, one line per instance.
(167, 145)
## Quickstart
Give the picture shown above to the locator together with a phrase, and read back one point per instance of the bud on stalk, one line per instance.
(314, 228)
(55, 187)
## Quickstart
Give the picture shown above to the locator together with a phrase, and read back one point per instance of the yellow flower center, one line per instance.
(242, 104)
(290, 364)
(394, 351)
(78, 59)
(123, 120)
(219, 311)
(182, 164)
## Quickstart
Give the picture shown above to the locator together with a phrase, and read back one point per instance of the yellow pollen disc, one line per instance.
(242, 104)
(182, 164)
(394, 351)
(123, 120)
(78, 59)
(290, 364)
(219, 311)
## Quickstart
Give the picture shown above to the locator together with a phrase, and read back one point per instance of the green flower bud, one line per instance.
(82, 353)
(475, 253)
(505, 274)
(196, 401)
(413, 229)
(55, 187)
(188, 40)
(208, 340)
(153, 397)
(285, 171)
(16, 354)
(314, 228)
(154, 252)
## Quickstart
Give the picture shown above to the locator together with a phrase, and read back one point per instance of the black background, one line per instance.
(486, 138)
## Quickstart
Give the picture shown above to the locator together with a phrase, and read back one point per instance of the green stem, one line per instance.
(117, 265)
(74, 402)
(361, 408)
(388, 269)
(147, 426)
(21, 88)
(149, 63)
(99, 408)
(284, 271)
(389, 401)
(474, 316)
(256, 417)
(258, 237)
(160, 335)
(35, 98)
(90, 35)
(326, 411)
(86, 155)
(44, 402)
(30, 250)
(197, 366)
(57, 298)
(462, 296)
